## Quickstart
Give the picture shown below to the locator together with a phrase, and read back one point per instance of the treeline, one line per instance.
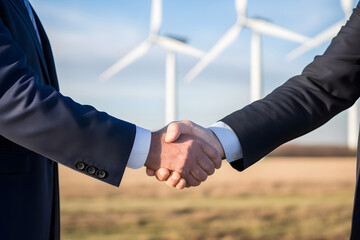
(291, 150)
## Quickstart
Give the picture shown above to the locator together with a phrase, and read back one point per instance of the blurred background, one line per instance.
(299, 192)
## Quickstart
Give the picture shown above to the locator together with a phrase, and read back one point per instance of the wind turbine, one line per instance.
(326, 35)
(171, 45)
(258, 26)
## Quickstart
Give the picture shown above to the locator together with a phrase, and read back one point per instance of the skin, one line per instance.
(186, 160)
(174, 132)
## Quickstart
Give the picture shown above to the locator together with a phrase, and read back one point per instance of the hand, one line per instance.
(189, 156)
(175, 130)
(172, 179)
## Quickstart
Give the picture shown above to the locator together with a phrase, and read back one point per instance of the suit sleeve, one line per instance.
(42, 120)
(327, 86)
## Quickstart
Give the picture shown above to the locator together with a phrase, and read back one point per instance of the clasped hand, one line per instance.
(183, 154)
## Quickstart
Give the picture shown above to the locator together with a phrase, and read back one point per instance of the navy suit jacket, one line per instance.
(39, 127)
(327, 86)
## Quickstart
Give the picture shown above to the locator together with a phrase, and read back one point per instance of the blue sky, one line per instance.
(89, 36)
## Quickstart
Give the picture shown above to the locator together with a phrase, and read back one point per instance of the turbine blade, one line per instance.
(178, 46)
(319, 39)
(135, 54)
(347, 6)
(156, 16)
(218, 48)
(240, 6)
(264, 27)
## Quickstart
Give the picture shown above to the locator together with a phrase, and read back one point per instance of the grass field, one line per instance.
(277, 199)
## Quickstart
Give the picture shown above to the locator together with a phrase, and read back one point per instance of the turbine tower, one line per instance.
(258, 26)
(326, 35)
(171, 45)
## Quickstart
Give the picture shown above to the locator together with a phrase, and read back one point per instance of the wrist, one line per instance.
(218, 145)
(153, 158)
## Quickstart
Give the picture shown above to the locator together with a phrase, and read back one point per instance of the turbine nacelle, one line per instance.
(258, 25)
(169, 43)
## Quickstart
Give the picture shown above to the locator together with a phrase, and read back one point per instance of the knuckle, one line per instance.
(160, 178)
(215, 154)
(185, 174)
(170, 184)
(218, 155)
(195, 172)
(187, 122)
(191, 180)
(174, 126)
(203, 178)
(176, 176)
(171, 125)
(196, 183)
(211, 171)
(199, 175)
(220, 163)
(207, 166)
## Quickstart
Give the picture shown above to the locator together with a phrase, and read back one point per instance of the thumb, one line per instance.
(173, 132)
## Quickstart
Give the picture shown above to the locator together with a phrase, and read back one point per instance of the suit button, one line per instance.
(101, 174)
(91, 170)
(80, 166)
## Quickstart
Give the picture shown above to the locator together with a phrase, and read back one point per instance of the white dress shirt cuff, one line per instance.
(229, 141)
(140, 149)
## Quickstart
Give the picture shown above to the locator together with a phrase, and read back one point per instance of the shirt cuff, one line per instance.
(140, 149)
(229, 141)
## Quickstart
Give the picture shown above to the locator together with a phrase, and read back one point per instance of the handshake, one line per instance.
(183, 154)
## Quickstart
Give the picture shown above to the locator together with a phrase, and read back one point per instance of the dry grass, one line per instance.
(278, 198)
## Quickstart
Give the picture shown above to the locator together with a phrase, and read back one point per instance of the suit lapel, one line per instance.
(20, 8)
(49, 59)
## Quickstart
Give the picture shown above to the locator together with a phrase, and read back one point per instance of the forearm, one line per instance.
(327, 86)
(40, 119)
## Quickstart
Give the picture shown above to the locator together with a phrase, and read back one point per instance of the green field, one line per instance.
(276, 199)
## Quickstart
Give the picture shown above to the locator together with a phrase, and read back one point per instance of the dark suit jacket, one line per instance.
(327, 86)
(38, 126)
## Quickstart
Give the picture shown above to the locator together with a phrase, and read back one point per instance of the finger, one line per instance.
(199, 174)
(192, 182)
(206, 164)
(150, 172)
(162, 174)
(212, 154)
(174, 179)
(181, 184)
(175, 129)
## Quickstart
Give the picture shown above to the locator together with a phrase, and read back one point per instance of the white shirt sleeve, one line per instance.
(229, 141)
(140, 149)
